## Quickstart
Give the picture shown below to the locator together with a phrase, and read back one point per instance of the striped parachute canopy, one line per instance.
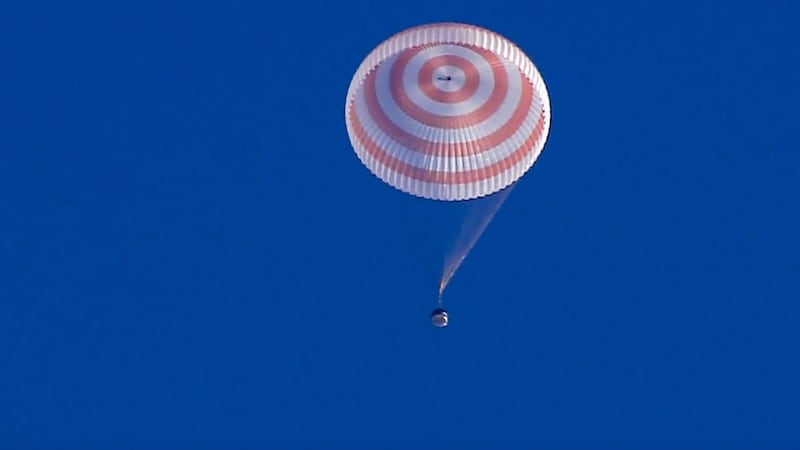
(448, 112)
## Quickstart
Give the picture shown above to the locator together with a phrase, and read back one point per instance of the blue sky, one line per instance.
(192, 256)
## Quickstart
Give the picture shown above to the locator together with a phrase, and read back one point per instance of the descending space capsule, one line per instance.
(447, 112)
(439, 317)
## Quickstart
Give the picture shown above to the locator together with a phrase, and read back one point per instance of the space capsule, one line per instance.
(439, 317)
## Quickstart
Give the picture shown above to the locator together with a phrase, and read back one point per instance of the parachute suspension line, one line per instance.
(471, 230)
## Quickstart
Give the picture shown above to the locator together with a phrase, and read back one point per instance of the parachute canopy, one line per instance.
(447, 112)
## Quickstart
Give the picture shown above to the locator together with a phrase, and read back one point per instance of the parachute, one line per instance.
(448, 112)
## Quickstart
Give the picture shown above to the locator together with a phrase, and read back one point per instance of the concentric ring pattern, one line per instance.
(448, 112)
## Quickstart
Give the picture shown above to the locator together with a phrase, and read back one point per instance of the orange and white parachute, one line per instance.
(448, 112)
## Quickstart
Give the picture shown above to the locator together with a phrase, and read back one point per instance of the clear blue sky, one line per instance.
(191, 256)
